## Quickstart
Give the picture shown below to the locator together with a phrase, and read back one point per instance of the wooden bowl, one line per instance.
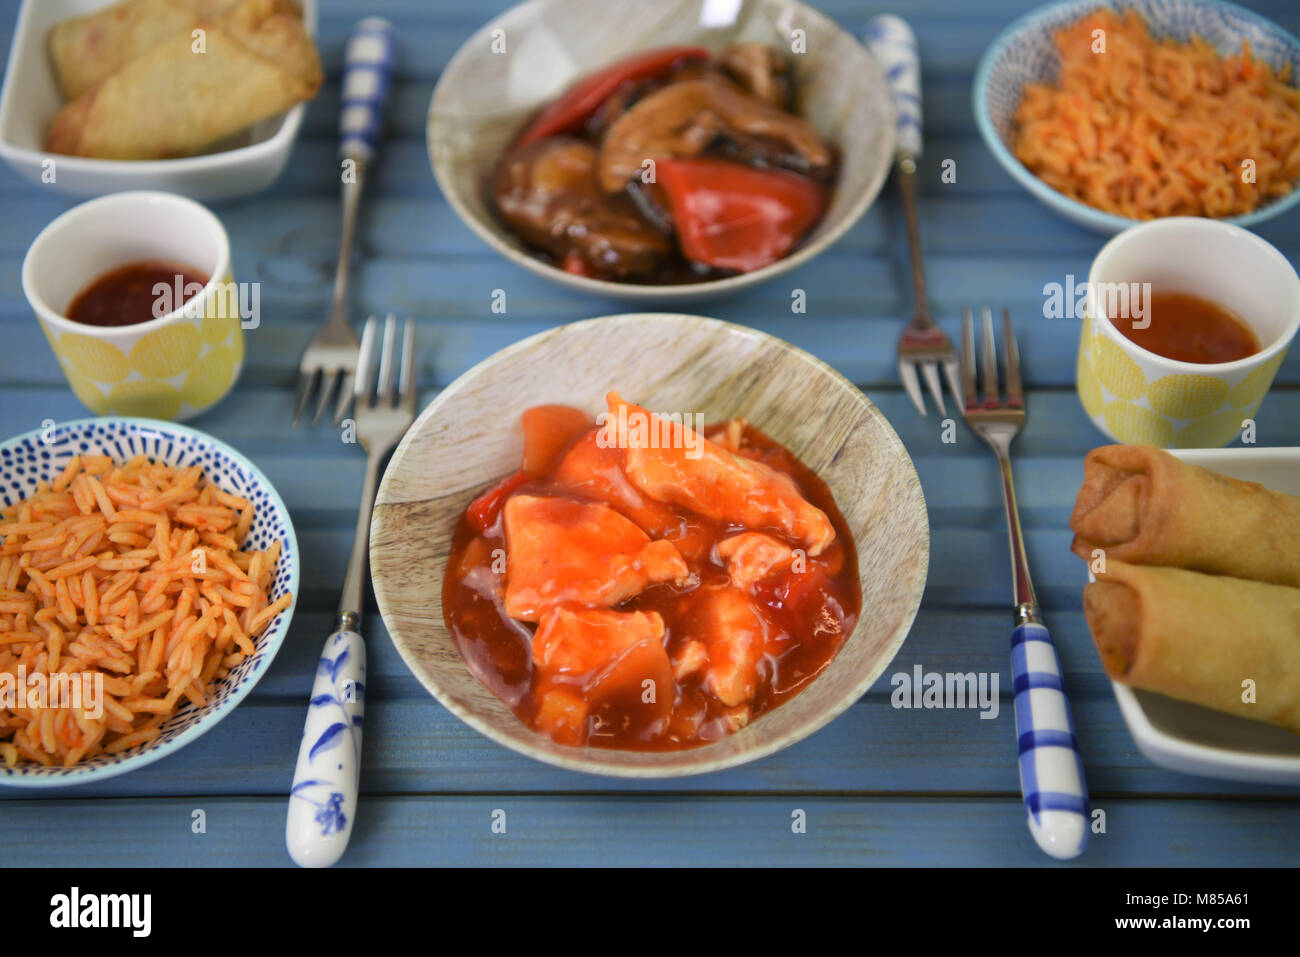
(486, 94)
(469, 436)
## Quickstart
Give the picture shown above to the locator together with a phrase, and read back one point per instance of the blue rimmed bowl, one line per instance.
(41, 454)
(1024, 53)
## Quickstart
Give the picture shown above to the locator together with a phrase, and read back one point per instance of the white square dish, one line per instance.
(1195, 740)
(30, 99)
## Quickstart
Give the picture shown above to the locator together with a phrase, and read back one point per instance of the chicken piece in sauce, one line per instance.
(752, 556)
(715, 482)
(563, 551)
(607, 657)
(596, 472)
(735, 634)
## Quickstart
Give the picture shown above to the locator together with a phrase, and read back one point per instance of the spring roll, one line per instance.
(175, 101)
(1199, 637)
(88, 49)
(1144, 506)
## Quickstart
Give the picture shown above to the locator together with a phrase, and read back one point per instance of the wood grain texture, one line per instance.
(467, 438)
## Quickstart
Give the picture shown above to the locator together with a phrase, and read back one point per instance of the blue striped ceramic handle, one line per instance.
(367, 73)
(1051, 769)
(893, 44)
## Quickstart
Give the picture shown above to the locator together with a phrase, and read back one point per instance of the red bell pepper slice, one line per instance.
(732, 216)
(583, 99)
(483, 511)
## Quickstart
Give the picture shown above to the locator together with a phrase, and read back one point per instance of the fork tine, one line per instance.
(306, 380)
(989, 360)
(329, 382)
(931, 372)
(1011, 359)
(406, 383)
(365, 362)
(951, 373)
(907, 372)
(387, 362)
(345, 398)
(967, 360)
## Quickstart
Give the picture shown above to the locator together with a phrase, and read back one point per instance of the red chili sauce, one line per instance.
(754, 645)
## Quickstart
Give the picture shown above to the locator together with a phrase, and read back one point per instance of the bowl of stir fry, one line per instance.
(662, 152)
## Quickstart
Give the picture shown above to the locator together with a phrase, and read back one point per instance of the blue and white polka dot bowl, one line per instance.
(1024, 53)
(41, 454)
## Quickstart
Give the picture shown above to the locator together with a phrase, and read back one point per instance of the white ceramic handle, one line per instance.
(323, 801)
(893, 44)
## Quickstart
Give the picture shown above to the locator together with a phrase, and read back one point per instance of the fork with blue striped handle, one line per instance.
(922, 345)
(1051, 769)
(329, 362)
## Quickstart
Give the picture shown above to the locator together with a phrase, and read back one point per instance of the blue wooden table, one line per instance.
(879, 785)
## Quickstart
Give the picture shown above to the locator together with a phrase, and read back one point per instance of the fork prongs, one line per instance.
(340, 381)
(1015, 396)
(395, 382)
(930, 370)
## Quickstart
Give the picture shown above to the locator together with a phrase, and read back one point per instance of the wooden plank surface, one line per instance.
(879, 785)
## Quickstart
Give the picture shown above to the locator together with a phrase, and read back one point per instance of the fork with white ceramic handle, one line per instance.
(323, 800)
(1051, 769)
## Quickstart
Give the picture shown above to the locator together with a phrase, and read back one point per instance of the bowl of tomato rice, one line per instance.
(148, 574)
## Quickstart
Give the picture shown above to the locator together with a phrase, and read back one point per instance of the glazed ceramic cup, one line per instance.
(171, 367)
(1136, 396)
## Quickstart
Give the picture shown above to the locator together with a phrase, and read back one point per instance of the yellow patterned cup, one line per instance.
(1136, 396)
(171, 367)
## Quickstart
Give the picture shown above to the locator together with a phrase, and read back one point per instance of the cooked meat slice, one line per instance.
(607, 655)
(752, 556)
(692, 657)
(735, 634)
(704, 477)
(687, 118)
(562, 551)
(597, 472)
(547, 194)
(762, 71)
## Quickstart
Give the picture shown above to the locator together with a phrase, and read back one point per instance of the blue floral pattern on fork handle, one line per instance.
(323, 800)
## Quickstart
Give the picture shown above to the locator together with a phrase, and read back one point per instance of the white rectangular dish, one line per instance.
(1195, 740)
(30, 99)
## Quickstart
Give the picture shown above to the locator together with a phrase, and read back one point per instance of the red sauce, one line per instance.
(810, 613)
(1191, 329)
(126, 296)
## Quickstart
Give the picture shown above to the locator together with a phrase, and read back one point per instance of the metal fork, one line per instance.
(922, 344)
(1051, 768)
(330, 359)
(323, 800)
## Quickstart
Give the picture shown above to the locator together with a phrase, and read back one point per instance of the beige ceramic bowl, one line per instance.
(527, 56)
(468, 438)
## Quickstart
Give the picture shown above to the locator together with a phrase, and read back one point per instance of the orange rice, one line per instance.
(1155, 128)
(133, 572)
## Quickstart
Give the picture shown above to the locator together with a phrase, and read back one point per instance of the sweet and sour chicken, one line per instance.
(639, 585)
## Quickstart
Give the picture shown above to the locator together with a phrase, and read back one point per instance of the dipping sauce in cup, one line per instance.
(135, 295)
(1187, 322)
(132, 293)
